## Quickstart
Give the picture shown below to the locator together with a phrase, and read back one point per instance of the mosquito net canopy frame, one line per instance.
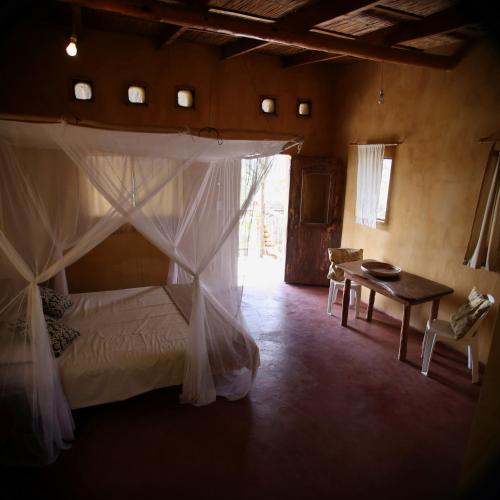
(63, 190)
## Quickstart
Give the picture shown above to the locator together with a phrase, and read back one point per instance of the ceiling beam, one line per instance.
(205, 21)
(309, 57)
(241, 46)
(323, 11)
(441, 22)
(171, 34)
(389, 13)
(303, 18)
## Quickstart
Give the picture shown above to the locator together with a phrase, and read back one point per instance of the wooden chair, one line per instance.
(337, 279)
(441, 331)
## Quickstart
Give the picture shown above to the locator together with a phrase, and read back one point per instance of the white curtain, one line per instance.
(483, 249)
(370, 162)
(63, 190)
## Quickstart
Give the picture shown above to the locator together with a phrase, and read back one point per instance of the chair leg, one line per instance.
(469, 357)
(352, 297)
(423, 344)
(430, 342)
(475, 363)
(335, 292)
(358, 300)
(330, 298)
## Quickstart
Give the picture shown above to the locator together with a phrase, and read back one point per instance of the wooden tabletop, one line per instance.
(407, 287)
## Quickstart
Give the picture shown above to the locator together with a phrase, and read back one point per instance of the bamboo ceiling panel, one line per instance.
(206, 37)
(430, 42)
(356, 24)
(419, 7)
(273, 9)
(279, 49)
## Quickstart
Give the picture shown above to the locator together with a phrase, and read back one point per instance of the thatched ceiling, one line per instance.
(383, 30)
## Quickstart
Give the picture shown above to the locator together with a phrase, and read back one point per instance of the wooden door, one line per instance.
(316, 206)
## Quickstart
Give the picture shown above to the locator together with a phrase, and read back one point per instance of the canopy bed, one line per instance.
(63, 190)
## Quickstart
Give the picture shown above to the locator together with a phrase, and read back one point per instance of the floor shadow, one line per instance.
(468, 391)
(471, 393)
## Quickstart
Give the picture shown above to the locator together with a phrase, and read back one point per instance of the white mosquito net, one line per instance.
(63, 190)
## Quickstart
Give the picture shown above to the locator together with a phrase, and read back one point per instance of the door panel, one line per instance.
(316, 206)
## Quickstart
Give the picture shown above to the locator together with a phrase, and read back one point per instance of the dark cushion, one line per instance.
(60, 335)
(54, 304)
(18, 327)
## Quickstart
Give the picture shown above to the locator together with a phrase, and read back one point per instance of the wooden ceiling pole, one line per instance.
(241, 46)
(441, 22)
(205, 21)
(304, 19)
(171, 34)
(325, 10)
(308, 57)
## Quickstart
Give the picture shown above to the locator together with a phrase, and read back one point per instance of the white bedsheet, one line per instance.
(131, 341)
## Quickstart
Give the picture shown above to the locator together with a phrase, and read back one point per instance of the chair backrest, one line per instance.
(475, 326)
(339, 256)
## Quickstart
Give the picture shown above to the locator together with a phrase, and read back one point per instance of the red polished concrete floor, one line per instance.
(333, 414)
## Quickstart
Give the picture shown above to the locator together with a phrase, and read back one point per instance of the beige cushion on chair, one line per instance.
(339, 256)
(476, 305)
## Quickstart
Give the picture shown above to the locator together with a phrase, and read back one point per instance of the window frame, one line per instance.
(387, 156)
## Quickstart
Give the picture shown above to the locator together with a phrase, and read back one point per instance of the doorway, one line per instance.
(263, 229)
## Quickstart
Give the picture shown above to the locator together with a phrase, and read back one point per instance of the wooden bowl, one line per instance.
(381, 269)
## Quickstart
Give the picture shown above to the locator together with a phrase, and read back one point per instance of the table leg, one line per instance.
(434, 309)
(345, 301)
(403, 340)
(371, 301)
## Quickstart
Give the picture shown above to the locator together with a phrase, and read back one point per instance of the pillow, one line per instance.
(18, 327)
(476, 305)
(339, 256)
(54, 304)
(60, 335)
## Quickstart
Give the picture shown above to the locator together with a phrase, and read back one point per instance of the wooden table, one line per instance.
(408, 289)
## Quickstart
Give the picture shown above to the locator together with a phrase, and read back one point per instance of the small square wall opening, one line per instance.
(185, 98)
(136, 94)
(304, 107)
(82, 91)
(268, 105)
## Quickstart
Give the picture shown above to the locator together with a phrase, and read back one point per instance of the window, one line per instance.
(185, 98)
(384, 190)
(268, 105)
(136, 94)
(82, 91)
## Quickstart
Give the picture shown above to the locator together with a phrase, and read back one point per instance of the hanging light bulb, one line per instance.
(71, 48)
(380, 99)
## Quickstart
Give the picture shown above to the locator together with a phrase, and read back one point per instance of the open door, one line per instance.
(316, 206)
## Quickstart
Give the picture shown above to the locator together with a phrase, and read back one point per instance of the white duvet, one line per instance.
(131, 341)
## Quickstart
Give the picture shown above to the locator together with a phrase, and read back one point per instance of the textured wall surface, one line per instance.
(123, 260)
(437, 171)
(37, 78)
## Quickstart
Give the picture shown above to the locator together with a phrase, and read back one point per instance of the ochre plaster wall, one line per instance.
(37, 80)
(437, 171)
(123, 260)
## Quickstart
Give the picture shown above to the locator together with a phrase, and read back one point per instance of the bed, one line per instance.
(131, 341)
